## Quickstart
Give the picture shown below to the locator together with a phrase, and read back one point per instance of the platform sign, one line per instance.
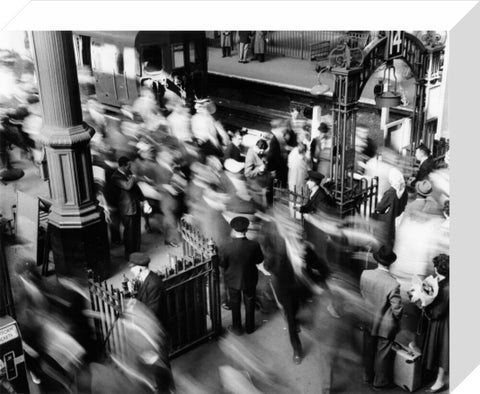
(394, 48)
(12, 359)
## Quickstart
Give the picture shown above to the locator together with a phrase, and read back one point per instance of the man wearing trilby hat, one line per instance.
(381, 293)
(239, 257)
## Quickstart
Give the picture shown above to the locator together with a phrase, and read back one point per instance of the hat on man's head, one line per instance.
(239, 224)
(423, 188)
(385, 256)
(315, 176)
(140, 259)
(323, 128)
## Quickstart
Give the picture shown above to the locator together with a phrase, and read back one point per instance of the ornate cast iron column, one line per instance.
(76, 225)
(345, 98)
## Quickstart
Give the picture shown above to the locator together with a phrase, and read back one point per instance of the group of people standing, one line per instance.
(254, 41)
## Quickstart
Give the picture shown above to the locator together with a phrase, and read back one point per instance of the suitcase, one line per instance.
(407, 369)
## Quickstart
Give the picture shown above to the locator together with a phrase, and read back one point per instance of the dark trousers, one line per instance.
(290, 303)
(226, 51)
(249, 302)
(378, 359)
(131, 233)
(114, 226)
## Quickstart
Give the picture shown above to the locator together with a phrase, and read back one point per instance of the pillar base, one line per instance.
(77, 249)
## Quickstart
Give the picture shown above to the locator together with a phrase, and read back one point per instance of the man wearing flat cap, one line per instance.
(151, 292)
(239, 258)
(381, 293)
(319, 197)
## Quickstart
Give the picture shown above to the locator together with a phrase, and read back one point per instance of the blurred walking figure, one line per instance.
(208, 132)
(239, 257)
(381, 293)
(143, 366)
(179, 123)
(226, 43)
(129, 208)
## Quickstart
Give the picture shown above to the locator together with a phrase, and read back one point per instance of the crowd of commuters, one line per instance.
(165, 159)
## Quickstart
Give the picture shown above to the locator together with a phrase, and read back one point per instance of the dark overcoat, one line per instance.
(152, 294)
(239, 258)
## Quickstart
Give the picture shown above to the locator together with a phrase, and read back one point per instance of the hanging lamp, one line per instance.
(389, 98)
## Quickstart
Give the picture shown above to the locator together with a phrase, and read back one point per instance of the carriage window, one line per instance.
(177, 56)
(131, 63)
(153, 55)
(192, 52)
(103, 56)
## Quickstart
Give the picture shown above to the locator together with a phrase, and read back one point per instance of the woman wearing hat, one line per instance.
(436, 344)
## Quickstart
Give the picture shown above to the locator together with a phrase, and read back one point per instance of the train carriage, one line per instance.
(122, 61)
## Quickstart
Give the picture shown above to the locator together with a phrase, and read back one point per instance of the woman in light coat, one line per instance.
(259, 45)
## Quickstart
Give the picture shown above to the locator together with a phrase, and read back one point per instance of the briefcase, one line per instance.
(407, 369)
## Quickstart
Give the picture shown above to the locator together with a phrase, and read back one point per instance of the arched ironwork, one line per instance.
(425, 63)
(414, 54)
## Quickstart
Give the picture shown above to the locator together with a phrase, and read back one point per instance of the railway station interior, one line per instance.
(224, 212)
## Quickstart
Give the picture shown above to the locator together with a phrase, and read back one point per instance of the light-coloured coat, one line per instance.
(259, 42)
(226, 38)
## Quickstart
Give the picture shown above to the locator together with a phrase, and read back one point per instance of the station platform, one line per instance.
(281, 71)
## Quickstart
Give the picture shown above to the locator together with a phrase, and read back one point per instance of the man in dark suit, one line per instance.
(129, 199)
(319, 199)
(381, 293)
(152, 294)
(239, 258)
(427, 164)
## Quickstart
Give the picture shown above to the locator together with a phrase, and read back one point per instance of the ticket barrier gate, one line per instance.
(13, 373)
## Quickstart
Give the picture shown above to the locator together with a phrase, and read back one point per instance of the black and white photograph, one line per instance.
(225, 211)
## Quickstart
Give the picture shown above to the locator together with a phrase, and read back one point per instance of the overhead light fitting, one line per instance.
(389, 98)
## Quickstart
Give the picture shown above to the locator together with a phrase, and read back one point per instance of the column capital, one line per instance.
(65, 137)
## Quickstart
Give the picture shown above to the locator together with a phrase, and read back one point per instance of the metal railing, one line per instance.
(364, 201)
(292, 198)
(192, 298)
(298, 44)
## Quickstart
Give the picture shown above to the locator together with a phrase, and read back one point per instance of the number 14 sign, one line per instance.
(394, 47)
